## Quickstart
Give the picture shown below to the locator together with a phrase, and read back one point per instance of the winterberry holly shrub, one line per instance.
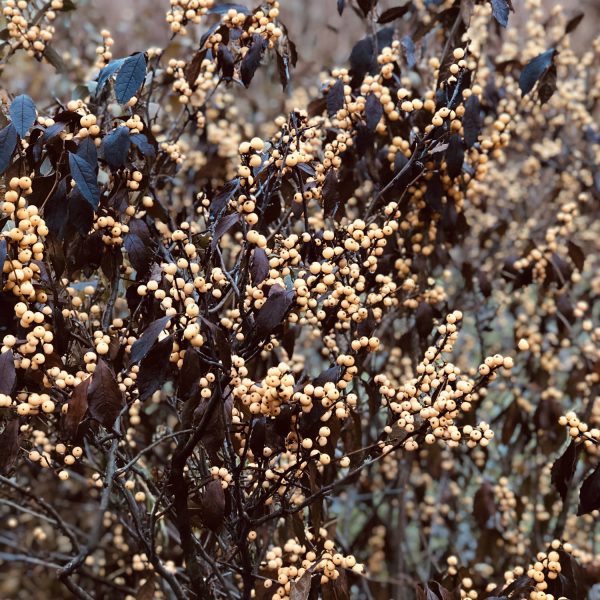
(350, 352)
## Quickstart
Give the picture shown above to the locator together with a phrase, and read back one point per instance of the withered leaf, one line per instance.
(104, 397)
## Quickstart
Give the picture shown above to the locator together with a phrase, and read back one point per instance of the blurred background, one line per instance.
(324, 39)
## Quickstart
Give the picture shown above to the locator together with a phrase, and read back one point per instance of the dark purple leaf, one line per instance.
(500, 10)
(146, 341)
(373, 111)
(107, 72)
(576, 255)
(408, 48)
(589, 494)
(8, 374)
(335, 98)
(223, 226)
(535, 69)
(9, 445)
(154, 369)
(105, 399)
(225, 61)
(85, 177)
(130, 77)
(140, 141)
(116, 147)
(471, 120)
(574, 22)
(251, 60)
(455, 155)
(8, 143)
(259, 269)
(77, 407)
(23, 114)
(563, 469)
(273, 311)
(396, 12)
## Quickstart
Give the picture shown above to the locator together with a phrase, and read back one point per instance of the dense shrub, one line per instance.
(347, 353)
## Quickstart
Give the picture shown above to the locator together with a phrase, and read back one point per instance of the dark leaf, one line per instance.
(8, 143)
(146, 341)
(573, 23)
(251, 60)
(589, 494)
(77, 407)
(3, 255)
(455, 155)
(23, 114)
(564, 468)
(300, 589)
(222, 9)
(366, 6)
(534, 70)
(330, 193)
(362, 59)
(283, 69)
(226, 61)
(340, 6)
(500, 10)
(85, 177)
(576, 255)
(88, 151)
(396, 12)
(8, 374)
(273, 311)
(105, 74)
(105, 399)
(212, 505)
(335, 98)
(140, 141)
(223, 226)
(53, 131)
(408, 48)
(80, 213)
(259, 269)
(424, 319)
(471, 120)
(154, 369)
(547, 84)
(140, 258)
(55, 59)
(484, 504)
(9, 445)
(373, 111)
(147, 591)
(130, 77)
(116, 147)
